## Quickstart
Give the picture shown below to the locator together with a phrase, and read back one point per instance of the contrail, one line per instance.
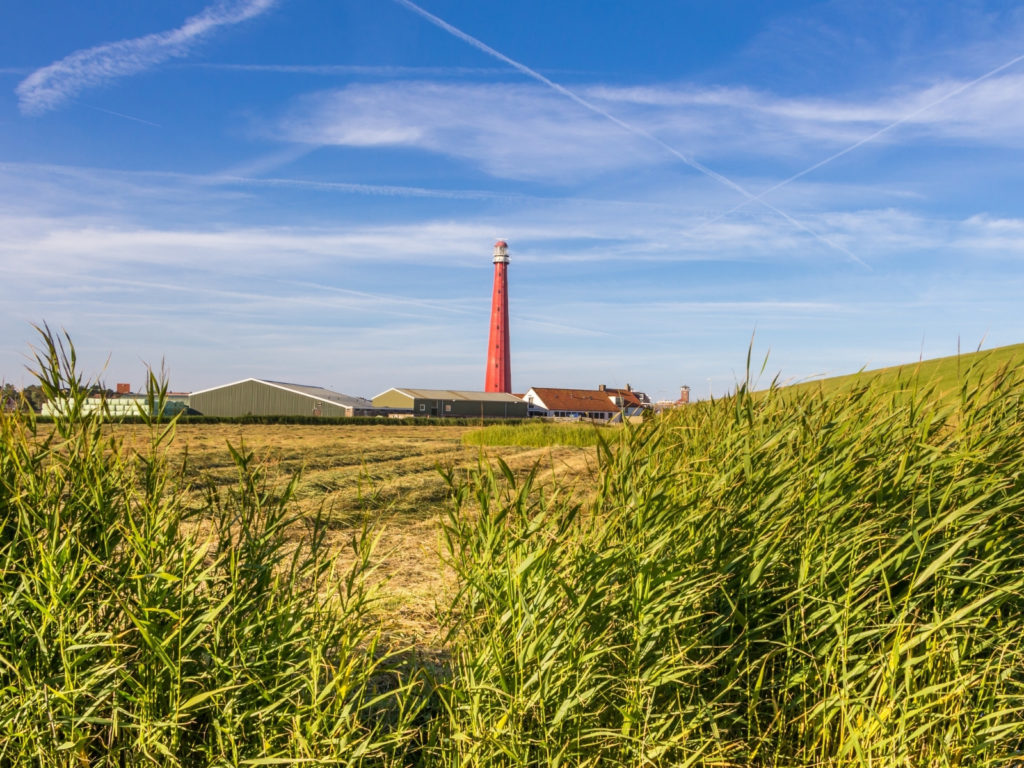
(896, 123)
(118, 114)
(628, 127)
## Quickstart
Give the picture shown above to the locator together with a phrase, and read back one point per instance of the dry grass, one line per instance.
(385, 476)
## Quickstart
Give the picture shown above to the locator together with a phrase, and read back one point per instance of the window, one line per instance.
(447, 407)
(423, 406)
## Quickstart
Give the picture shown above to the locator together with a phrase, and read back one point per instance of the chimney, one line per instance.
(684, 395)
(600, 387)
(124, 389)
(629, 387)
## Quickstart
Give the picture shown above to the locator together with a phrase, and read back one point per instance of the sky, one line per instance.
(309, 191)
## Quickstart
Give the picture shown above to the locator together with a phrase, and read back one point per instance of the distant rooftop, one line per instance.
(599, 400)
(317, 393)
(457, 394)
(322, 394)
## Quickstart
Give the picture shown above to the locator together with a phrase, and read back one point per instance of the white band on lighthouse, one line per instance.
(501, 252)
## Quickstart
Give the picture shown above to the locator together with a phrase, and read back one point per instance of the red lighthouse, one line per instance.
(499, 369)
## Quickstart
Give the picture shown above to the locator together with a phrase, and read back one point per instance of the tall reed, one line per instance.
(796, 578)
(135, 632)
(791, 579)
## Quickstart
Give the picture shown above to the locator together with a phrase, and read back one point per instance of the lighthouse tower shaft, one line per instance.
(499, 367)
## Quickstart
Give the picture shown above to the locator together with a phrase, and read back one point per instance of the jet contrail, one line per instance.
(628, 127)
(118, 114)
(896, 123)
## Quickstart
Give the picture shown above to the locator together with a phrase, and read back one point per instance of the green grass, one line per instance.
(944, 374)
(540, 434)
(805, 577)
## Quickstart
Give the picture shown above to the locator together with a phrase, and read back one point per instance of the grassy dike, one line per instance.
(796, 578)
(943, 376)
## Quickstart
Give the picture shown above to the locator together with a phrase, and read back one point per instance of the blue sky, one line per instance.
(309, 191)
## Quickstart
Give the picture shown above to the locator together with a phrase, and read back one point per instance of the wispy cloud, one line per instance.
(986, 109)
(49, 87)
(364, 292)
(386, 190)
(551, 242)
(345, 70)
(115, 188)
(526, 132)
(512, 131)
(103, 245)
(628, 127)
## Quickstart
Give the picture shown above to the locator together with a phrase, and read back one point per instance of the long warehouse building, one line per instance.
(453, 403)
(262, 397)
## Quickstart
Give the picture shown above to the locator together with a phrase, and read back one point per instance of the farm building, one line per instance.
(453, 403)
(119, 406)
(601, 404)
(120, 403)
(261, 397)
(666, 405)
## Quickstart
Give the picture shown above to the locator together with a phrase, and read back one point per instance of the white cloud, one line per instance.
(87, 247)
(985, 110)
(266, 299)
(51, 86)
(512, 131)
(531, 133)
(547, 236)
(1001, 236)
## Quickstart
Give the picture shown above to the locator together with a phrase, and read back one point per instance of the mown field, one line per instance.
(800, 577)
(385, 476)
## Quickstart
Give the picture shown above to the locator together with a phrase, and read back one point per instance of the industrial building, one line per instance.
(117, 407)
(261, 397)
(442, 403)
(666, 405)
(120, 403)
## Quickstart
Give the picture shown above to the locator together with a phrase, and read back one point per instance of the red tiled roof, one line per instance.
(629, 399)
(576, 399)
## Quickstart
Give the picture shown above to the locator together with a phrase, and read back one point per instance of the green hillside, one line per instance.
(944, 374)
